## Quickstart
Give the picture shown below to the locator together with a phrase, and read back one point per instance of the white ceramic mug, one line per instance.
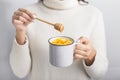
(61, 55)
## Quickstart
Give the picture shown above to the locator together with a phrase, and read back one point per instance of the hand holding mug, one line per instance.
(61, 49)
(84, 50)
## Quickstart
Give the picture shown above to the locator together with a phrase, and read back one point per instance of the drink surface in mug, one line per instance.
(61, 51)
(61, 41)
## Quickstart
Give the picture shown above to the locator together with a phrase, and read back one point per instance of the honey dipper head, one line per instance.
(59, 27)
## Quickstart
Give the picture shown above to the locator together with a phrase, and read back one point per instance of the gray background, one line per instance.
(111, 11)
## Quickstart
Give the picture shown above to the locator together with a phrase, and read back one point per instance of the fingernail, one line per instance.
(34, 16)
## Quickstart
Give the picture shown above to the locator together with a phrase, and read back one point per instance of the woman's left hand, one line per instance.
(84, 50)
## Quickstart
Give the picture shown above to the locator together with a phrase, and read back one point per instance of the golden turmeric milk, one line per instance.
(61, 41)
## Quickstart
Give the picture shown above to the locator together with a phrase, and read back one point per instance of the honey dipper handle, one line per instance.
(45, 21)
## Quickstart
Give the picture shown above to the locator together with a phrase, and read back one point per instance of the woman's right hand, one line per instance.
(21, 19)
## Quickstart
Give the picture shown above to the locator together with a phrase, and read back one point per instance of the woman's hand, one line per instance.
(21, 19)
(84, 50)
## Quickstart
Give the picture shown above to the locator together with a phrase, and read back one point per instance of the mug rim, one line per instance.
(62, 37)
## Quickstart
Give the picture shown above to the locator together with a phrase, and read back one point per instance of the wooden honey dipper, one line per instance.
(57, 26)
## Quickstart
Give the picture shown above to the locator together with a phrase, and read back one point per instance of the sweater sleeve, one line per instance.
(20, 59)
(97, 38)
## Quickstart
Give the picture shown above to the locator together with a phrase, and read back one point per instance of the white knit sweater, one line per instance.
(33, 57)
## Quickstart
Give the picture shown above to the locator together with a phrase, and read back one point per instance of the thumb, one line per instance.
(84, 40)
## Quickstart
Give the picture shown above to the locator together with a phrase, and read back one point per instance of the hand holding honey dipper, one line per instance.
(22, 18)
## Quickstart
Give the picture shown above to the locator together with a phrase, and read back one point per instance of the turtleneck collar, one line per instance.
(60, 4)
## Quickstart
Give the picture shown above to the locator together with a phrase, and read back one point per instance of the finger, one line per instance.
(83, 53)
(17, 22)
(24, 15)
(84, 40)
(20, 18)
(27, 12)
(81, 47)
(77, 56)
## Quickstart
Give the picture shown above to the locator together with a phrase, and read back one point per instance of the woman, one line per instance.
(30, 55)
